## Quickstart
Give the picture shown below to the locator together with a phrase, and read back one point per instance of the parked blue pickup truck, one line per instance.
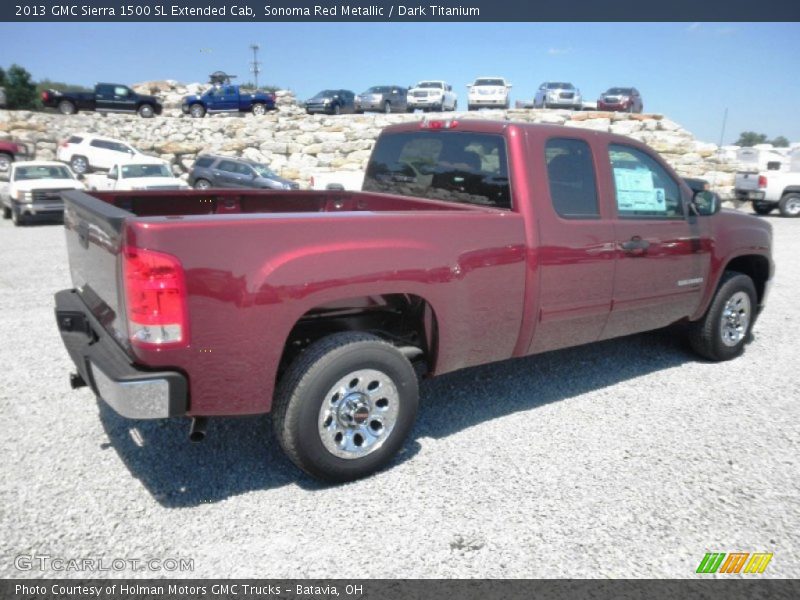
(228, 98)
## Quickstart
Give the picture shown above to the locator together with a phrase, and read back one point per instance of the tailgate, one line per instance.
(95, 232)
(746, 181)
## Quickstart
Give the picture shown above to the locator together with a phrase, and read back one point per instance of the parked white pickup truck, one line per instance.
(337, 180)
(139, 173)
(768, 190)
(34, 190)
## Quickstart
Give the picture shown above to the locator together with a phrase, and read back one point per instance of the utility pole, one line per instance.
(256, 68)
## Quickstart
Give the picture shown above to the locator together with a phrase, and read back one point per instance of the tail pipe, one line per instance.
(197, 431)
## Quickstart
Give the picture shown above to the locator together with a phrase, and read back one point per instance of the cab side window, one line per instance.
(571, 177)
(644, 190)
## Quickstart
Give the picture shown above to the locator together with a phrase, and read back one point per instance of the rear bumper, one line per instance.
(131, 391)
(749, 195)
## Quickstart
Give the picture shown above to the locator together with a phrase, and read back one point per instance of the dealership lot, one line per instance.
(627, 458)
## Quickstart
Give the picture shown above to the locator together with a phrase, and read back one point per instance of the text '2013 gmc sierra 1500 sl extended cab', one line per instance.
(471, 242)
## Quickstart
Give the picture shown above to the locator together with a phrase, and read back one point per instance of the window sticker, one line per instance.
(636, 192)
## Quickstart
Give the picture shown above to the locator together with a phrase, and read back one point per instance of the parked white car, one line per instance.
(34, 190)
(139, 173)
(86, 152)
(431, 95)
(488, 92)
(337, 180)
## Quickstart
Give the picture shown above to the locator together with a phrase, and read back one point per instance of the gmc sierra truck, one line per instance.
(471, 242)
(106, 97)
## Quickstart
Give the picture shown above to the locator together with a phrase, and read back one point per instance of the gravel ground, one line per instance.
(626, 458)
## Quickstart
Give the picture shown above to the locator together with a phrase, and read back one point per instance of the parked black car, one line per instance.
(332, 102)
(231, 172)
(106, 97)
(383, 98)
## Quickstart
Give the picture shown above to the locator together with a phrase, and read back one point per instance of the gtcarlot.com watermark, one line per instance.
(46, 562)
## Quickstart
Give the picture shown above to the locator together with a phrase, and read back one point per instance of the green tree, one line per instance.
(750, 138)
(780, 142)
(20, 90)
(2, 77)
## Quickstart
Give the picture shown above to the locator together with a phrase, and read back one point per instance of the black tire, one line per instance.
(197, 111)
(409, 109)
(762, 209)
(79, 164)
(259, 109)
(67, 107)
(6, 212)
(146, 111)
(455, 106)
(706, 335)
(790, 205)
(18, 218)
(5, 162)
(306, 386)
(336, 109)
(202, 184)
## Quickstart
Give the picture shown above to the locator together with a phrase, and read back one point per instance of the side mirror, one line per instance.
(705, 203)
(509, 86)
(112, 175)
(80, 177)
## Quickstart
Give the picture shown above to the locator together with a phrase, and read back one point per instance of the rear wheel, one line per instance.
(762, 209)
(259, 109)
(197, 111)
(345, 406)
(79, 164)
(67, 107)
(5, 162)
(790, 205)
(202, 184)
(146, 111)
(722, 333)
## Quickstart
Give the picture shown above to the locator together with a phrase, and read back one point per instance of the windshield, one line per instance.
(559, 86)
(324, 93)
(263, 171)
(378, 89)
(134, 171)
(499, 82)
(619, 91)
(42, 172)
(430, 84)
(470, 168)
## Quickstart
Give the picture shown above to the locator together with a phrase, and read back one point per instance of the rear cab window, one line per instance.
(463, 167)
(571, 178)
(204, 162)
(643, 188)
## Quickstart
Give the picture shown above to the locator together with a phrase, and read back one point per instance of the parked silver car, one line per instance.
(558, 94)
(383, 98)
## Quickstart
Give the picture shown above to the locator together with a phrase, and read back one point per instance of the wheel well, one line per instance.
(792, 189)
(754, 266)
(405, 320)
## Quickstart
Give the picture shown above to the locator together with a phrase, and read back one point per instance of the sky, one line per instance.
(691, 72)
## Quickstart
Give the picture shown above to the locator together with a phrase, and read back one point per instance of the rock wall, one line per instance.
(296, 145)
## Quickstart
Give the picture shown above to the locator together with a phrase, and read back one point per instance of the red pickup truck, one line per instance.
(472, 242)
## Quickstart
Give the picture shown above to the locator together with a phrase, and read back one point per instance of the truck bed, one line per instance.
(256, 263)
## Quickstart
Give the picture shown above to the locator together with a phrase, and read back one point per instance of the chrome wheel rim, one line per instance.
(202, 185)
(66, 108)
(793, 206)
(197, 111)
(79, 165)
(259, 109)
(5, 163)
(146, 111)
(735, 319)
(358, 414)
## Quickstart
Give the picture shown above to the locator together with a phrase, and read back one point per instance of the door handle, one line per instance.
(636, 246)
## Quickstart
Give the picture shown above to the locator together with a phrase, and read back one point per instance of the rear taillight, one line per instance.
(155, 294)
(45, 96)
(64, 144)
(436, 124)
(762, 181)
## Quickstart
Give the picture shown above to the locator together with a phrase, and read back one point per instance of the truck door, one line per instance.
(228, 100)
(104, 97)
(576, 247)
(662, 254)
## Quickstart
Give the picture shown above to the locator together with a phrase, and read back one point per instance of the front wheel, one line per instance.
(79, 164)
(345, 406)
(17, 217)
(6, 212)
(337, 110)
(790, 205)
(202, 184)
(197, 111)
(722, 333)
(387, 107)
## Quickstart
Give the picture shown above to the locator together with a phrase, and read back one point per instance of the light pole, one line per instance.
(256, 68)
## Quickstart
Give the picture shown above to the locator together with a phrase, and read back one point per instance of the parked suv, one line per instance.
(621, 99)
(488, 91)
(385, 98)
(432, 95)
(558, 94)
(86, 152)
(231, 172)
(332, 102)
